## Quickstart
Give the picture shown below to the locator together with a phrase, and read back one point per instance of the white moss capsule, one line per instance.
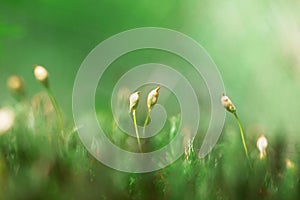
(152, 97)
(227, 103)
(262, 144)
(134, 100)
(41, 74)
(7, 119)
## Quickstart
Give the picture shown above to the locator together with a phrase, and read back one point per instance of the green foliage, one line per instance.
(35, 165)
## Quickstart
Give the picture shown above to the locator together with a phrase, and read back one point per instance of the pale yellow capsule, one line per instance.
(152, 97)
(15, 84)
(227, 103)
(289, 164)
(134, 100)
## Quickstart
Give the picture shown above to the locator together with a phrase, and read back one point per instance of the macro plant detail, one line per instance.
(123, 100)
(133, 103)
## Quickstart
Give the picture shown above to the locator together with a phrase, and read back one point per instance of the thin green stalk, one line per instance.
(146, 121)
(136, 130)
(57, 111)
(242, 134)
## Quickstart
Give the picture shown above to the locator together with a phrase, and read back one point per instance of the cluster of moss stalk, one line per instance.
(225, 100)
(133, 103)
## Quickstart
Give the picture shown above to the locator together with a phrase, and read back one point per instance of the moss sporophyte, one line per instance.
(151, 101)
(41, 75)
(133, 103)
(230, 107)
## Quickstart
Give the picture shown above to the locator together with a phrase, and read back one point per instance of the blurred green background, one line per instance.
(255, 45)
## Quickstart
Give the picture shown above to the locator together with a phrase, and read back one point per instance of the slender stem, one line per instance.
(242, 134)
(146, 121)
(136, 130)
(165, 183)
(57, 110)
